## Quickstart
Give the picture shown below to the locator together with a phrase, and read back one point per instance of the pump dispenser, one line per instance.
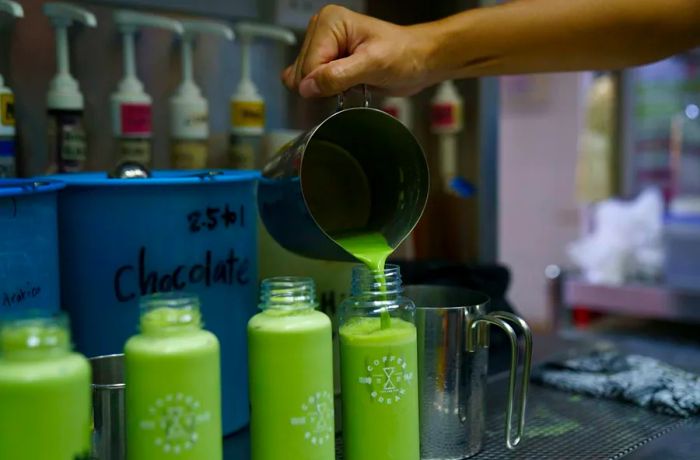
(65, 104)
(8, 151)
(189, 111)
(247, 104)
(131, 106)
(446, 123)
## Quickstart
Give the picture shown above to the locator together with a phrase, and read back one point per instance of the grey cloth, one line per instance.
(641, 380)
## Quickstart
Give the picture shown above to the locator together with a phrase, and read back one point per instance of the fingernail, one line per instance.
(309, 88)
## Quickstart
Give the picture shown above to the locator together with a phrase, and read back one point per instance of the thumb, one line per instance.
(336, 76)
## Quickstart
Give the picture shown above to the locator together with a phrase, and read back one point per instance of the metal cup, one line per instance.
(109, 433)
(359, 170)
(453, 338)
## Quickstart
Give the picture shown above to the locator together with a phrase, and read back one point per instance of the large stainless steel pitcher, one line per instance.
(453, 339)
(359, 170)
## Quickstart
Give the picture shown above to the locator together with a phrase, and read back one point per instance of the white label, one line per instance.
(387, 378)
(316, 418)
(174, 422)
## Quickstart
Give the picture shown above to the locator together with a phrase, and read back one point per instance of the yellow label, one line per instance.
(189, 155)
(7, 109)
(248, 114)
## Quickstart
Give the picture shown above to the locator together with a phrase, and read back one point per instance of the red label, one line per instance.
(136, 118)
(391, 110)
(443, 115)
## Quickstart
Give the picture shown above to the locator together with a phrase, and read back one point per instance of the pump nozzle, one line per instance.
(12, 8)
(64, 92)
(189, 110)
(129, 22)
(248, 30)
(191, 29)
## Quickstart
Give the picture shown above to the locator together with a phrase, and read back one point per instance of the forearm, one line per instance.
(527, 36)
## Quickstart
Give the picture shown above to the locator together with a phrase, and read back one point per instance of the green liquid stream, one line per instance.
(372, 249)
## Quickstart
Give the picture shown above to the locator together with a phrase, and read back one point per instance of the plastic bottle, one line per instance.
(189, 111)
(67, 144)
(378, 367)
(131, 106)
(8, 149)
(44, 391)
(446, 123)
(173, 381)
(291, 374)
(247, 104)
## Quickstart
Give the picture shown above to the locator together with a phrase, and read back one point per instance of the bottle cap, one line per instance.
(64, 92)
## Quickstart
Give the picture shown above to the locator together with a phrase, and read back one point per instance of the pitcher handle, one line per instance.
(475, 338)
(341, 99)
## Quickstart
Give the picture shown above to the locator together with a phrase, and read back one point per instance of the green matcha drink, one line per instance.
(380, 391)
(371, 249)
(173, 389)
(44, 392)
(378, 355)
(291, 374)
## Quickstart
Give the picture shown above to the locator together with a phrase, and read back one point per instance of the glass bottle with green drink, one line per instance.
(290, 350)
(173, 383)
(378, 366)
(44, 390)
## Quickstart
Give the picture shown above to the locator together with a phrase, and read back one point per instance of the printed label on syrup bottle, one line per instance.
(248, 114)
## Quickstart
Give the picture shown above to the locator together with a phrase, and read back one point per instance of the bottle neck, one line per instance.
(385, 285)
(170, 314)
(288, 294)
(34, 336)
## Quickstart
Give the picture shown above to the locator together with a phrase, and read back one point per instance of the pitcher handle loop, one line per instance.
(475, 339)
(366, 96)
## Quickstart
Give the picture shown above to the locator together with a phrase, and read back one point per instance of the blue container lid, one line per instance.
(158, 178)
(17, 187)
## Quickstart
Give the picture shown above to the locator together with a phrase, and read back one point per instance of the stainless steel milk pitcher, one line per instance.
(453, 338)
(359, 170)
(109, 419)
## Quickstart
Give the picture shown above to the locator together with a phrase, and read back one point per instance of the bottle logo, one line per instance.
(387, 378)
(316, 418)
(174, 422)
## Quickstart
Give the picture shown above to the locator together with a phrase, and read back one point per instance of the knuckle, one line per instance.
(330, 11)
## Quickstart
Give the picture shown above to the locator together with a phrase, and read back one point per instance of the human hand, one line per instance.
(343, 49)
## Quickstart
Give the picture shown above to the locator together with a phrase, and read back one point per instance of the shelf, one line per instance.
(638, 300)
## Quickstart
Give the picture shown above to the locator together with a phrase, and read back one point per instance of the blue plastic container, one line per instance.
(28, 245)
(179, 230)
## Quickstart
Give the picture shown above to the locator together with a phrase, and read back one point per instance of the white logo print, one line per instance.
(317, 418)
(174, 422)
(387, 378)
